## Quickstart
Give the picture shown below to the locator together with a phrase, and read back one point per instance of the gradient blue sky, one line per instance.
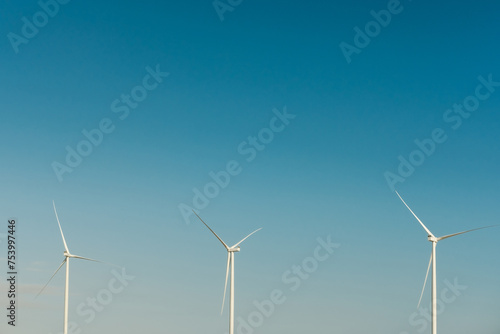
(322, 175)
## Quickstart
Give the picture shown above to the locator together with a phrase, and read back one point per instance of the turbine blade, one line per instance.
(64, 240)
(454, 234)
(425, 228)
(88, 259)
(425, 282)
(246, 237)
(211, 231)
(64, 261)
(84, 258)
(225, 284)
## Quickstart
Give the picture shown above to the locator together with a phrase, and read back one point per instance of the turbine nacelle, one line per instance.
(432, 238)
(234, 249)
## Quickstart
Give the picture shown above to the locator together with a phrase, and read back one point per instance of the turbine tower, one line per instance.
(230, 263)
(432, 261)
(67, 256)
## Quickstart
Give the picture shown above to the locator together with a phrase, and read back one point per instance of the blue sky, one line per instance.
(320, 172)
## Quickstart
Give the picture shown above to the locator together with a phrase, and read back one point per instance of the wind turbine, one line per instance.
(230, 263)
(432, 260)
(67, 256)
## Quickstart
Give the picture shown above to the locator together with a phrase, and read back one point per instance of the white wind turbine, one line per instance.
(432, 260)
(230, 262)
(67, 256)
